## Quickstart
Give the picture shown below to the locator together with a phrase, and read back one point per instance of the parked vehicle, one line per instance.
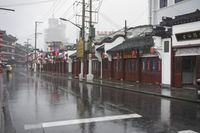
(198, 88)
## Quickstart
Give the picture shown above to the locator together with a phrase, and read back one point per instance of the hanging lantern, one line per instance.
(152, 50)
(134, 53)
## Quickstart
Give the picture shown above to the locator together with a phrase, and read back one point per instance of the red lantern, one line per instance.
(133, 53)
(152, 50)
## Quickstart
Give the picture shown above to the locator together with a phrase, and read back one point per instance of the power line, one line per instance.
(48, 13)
(26, 4)
(55, 5)
(109, 20)
(69, 8)
(61, 6)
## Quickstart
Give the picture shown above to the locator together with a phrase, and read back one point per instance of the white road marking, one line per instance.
(33, 126)
(187, 131)
(80, 121)
(22, 73)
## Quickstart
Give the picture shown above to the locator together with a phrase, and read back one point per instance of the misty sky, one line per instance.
(112, 15)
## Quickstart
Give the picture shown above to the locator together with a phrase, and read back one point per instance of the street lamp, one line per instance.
(63, 19)
(36, 22)
(71, 22)
(80, 45)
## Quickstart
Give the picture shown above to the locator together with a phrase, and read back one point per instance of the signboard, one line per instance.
(117, 56)
(188, 36)
(130, 54)
(80, 48)
(105, 33)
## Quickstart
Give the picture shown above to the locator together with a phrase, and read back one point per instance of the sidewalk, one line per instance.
(149, 89)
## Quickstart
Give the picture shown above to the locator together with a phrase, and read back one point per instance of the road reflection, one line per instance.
(6, 125)
(160, 115)
(55, 98)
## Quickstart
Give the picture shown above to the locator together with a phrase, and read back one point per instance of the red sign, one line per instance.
(130, 54)
(104, 55)
(152, 50)
(117, 56)
(100, 33)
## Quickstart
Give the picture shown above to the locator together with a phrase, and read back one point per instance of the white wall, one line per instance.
(158, 46)
(109, 46)
(165, 58)
(98, 54)
(183, 7)
(69, 61)
(188, 27)
(166, 64)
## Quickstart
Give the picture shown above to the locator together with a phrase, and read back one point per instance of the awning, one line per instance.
(188, 51)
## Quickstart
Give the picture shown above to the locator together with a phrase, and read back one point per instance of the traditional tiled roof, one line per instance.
(100, 49)
(109, 39)
(73, 55)
(134, 43)
(162, 32)
(187, 18)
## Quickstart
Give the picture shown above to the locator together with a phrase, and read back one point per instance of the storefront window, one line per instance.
(150, 65)
(178, 1)
(163, 3)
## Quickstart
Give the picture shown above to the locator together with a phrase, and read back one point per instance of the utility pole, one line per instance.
(83, 39)
(35, 67)
(90, 76)
(83, 23)
(27, 52)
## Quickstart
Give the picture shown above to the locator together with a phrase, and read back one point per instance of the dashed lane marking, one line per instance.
(79, 121)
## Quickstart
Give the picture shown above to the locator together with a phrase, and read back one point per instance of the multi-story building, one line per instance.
(182, 18)
(10, 51)
(20, 54)
(7, 48)
(170, 8)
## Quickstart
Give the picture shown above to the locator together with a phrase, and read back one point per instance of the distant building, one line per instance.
(7, 48)
(20, 54)
(55, 34)
(11, 52)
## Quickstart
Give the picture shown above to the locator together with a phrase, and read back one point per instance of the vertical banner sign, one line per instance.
(80, 48)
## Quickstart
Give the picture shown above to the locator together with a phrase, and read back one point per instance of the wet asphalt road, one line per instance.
(28, 98)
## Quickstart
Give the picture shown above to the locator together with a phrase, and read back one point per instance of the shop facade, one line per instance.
(136, 60)
(186, 49)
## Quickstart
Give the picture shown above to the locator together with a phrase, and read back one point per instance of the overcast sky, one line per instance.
(112, 15)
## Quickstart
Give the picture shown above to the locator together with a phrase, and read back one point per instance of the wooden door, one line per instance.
(198, 67)
(177, 74)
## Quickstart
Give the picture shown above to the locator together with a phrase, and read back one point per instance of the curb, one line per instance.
(128, 89)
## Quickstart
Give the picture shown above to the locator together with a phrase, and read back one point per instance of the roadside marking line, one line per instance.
(187, 131)
(80, 121)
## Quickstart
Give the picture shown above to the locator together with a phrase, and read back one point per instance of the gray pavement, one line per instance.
(184, 94)
(43, 99)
